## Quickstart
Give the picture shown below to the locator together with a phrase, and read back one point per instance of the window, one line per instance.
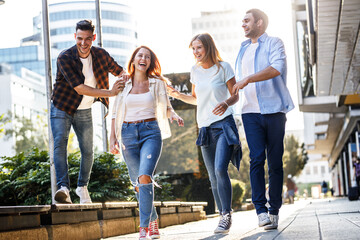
(322, 169)
(316, 171)
(86, 14)
(307, 170)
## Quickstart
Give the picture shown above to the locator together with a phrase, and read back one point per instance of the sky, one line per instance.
(165, 26)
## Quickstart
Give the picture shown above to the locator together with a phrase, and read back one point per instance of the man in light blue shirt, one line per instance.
(260, 70)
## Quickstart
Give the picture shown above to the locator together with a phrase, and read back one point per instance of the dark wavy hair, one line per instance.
(85, 25)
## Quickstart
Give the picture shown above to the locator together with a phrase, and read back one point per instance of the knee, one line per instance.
(144, 179)
(221, 173)
(60, 140)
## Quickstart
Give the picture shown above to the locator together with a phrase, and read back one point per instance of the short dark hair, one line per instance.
(258, 14)
(85, 25)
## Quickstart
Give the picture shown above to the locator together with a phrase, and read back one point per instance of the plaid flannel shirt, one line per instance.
(69, 75)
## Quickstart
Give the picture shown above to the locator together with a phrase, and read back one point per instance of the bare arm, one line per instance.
(114, 145)
(190, 99)
(263, 75)
(223, 106)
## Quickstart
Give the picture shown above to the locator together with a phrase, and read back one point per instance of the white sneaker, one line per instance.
(62, 195)
(83, 193)
(263, 219)
(274, 222)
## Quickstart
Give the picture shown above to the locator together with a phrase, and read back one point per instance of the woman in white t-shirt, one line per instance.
(139, 123)
(212, 81)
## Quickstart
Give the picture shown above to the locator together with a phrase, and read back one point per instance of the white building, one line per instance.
(118, 25)
(225, 27)
(24, 96)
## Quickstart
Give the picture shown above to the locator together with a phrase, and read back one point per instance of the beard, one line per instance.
(253, 33)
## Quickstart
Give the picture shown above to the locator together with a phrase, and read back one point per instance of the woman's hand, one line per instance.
(174, 116)
(220, 108)
(114, 146)
(173, 92)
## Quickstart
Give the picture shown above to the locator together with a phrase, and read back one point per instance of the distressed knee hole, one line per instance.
(145, 179)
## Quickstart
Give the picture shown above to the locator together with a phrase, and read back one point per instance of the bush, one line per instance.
(109, 180)
(165, 193)
(25, 179)
(238, 193)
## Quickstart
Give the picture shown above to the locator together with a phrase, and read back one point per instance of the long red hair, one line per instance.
(154, 70)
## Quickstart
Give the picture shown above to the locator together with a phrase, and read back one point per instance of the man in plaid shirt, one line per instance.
(81, 78)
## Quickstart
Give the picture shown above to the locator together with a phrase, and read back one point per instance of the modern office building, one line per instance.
(118, 25)
(23, 96)
(328, 59)
(27, 56)
(118, 34)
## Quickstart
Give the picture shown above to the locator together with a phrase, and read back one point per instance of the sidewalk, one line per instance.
(330, 218)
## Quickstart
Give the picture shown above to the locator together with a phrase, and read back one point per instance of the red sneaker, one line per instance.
(154, 230)
(144, 234)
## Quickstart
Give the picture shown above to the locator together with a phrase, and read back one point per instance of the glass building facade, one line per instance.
(29, 57)
(118, 34)
(118, 26)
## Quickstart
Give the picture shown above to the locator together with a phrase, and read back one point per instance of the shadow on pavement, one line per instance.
(271, 234)
(214, 237)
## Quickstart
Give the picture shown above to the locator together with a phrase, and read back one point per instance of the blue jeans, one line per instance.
(61, 123)
(217, 157)
(141, 147)
(265, 137)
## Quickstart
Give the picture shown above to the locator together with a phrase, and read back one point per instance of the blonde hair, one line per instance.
(211, 53)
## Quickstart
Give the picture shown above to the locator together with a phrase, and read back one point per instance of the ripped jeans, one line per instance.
(141, 147)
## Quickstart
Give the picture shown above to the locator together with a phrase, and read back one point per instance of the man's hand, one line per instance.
(117, 87)
(240, 85)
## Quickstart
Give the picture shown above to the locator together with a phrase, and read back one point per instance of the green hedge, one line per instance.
(25, 179)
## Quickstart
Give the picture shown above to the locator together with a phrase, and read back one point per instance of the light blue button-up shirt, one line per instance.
(272, 94)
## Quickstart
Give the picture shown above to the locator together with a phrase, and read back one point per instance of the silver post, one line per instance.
(103, 110)
(48, 75)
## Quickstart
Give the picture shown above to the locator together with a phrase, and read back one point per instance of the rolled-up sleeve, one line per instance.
(277, 56)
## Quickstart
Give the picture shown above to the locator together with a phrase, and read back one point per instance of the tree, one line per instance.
(3, 121)
(28, 133)
(295, 156)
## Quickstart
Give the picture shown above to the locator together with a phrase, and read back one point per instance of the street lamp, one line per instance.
(2, 2)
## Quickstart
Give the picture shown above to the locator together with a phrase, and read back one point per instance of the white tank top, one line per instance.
(139, 106)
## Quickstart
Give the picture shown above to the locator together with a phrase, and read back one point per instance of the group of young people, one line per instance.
(142, 109)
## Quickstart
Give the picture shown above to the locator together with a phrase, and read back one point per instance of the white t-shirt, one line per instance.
(90, 81)
(139, 107)
(250, 101)
(211, 89)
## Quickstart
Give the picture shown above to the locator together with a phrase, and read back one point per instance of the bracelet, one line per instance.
(226, 104)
